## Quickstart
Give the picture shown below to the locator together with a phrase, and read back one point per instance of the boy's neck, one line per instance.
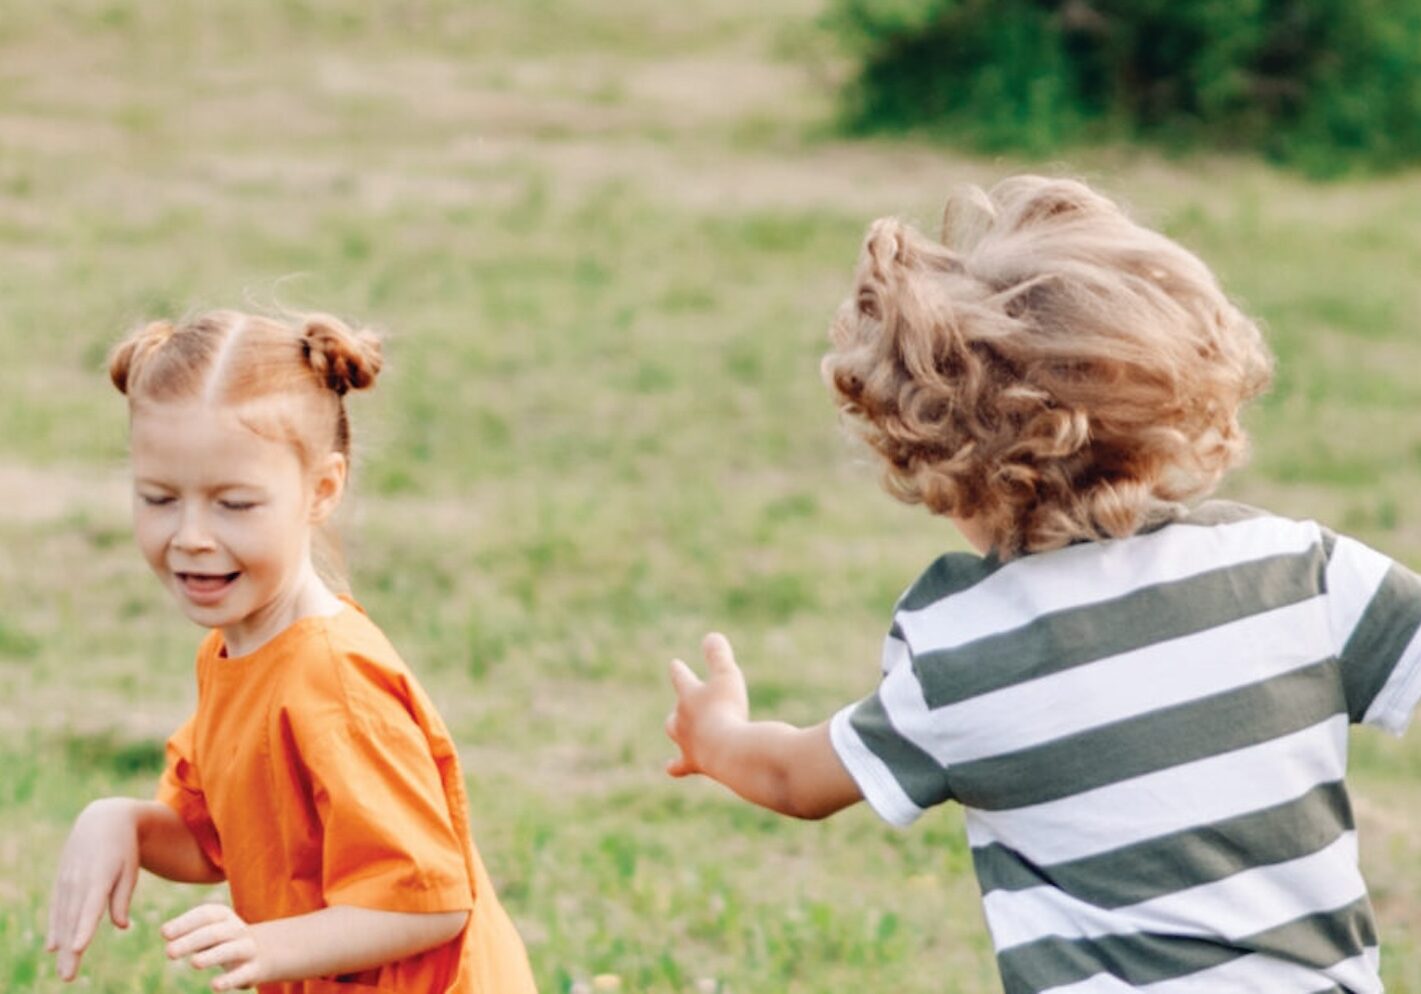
(975, 532)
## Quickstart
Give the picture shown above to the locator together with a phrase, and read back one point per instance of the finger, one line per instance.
(67, 965)
(123, 895)
(193, 918)
(720, 658)
(62, 912)
(243, 976)
(205, 938)
(56, 904)
(71, 953)
(679, 767)
(672, 727)
(235, 949)
(85, 926)
(51, 935)
(683, 678)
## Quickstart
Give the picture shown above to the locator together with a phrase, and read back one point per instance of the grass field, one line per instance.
(605, 241)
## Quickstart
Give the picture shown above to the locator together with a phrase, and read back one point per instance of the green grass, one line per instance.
(605, 242)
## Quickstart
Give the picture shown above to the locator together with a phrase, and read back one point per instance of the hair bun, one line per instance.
(343, 358)
(128, 353)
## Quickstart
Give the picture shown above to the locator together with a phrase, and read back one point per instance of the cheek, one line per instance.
(150, 532)
(270, 542)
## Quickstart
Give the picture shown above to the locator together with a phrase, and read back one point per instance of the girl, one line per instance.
(315, 775)
(1141, 701)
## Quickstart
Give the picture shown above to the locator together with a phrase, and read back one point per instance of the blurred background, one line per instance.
(604, 241)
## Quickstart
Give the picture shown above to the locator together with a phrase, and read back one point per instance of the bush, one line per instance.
(1326, 85)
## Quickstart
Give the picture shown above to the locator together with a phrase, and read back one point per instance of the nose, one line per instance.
(192, 534)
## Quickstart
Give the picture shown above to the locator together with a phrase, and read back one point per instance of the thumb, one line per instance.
(683, 679)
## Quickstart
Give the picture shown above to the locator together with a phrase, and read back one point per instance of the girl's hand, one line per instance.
(97, 869)
(336, 939)
(214, 935)
(705, 709)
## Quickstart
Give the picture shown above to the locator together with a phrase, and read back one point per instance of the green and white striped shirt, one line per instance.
(1149, 737)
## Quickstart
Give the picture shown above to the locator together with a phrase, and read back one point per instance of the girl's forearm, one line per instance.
(343, 939)
(166, 846)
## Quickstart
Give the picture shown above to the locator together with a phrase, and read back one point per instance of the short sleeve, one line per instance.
(881, 742)
(1374, 607)
(181, 789)
(390, 841)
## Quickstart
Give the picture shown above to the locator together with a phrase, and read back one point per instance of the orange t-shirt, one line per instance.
(315, 772)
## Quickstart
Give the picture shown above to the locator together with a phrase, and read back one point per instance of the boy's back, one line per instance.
(1149, 736)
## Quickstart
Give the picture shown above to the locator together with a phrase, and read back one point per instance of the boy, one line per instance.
(1140, 700)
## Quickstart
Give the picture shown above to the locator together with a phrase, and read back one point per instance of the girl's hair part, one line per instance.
(1052, 368)
(235, 358)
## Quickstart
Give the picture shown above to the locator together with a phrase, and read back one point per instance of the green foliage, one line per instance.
(15, 642)
(1325, 85)
(106, 754)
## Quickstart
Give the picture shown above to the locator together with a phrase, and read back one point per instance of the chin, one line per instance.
(207, 615)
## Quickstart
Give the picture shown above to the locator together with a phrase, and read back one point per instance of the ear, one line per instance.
(327, 486)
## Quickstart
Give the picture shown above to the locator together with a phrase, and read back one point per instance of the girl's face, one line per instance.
(224, 517)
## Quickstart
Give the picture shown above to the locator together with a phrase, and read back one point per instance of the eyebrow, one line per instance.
(148, 481)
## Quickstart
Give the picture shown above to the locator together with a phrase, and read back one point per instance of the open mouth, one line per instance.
(205, 587)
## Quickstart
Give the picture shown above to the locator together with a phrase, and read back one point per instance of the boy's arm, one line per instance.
(794, 771)
(98, 869)
(334, 940)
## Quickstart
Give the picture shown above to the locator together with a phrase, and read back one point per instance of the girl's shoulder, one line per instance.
(344, 668)
(353, 637)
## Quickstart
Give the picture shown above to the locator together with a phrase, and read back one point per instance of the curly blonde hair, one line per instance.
(1052, 371)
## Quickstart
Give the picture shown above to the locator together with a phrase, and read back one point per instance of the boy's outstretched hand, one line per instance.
(794, 771)
(706, 710)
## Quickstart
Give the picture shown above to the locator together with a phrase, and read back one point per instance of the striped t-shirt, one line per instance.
(1149, 737)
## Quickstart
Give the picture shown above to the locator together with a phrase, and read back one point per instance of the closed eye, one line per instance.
(155, 500)
(237, 505)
